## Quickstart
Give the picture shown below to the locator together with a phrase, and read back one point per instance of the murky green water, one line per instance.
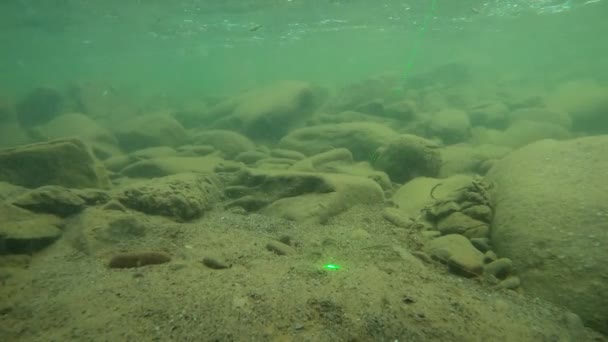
(193, 46)
(303, 170)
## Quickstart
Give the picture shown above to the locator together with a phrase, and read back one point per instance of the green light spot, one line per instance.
(332, 267)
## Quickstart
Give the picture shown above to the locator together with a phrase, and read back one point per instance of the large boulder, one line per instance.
(407, 157)
(150, 131)
(65, 162)
(102, 142)
(268, 113)
(102, 101)
(489, 114)
(551, 205)
(182, 197)
(75, 125)
(585, 101)
(368, 95)
(451, 125)
(361, 138)
(469, 159)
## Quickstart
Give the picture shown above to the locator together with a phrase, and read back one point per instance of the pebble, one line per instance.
(510, 283)
(500, 268)
(215, 264)
(138, 259)
(280, 248)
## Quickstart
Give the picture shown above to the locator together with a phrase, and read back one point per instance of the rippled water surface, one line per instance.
(228, 45)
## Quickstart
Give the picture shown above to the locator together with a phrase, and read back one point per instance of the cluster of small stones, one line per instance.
(468, 211)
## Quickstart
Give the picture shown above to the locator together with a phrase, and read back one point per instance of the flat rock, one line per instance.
(165, 166)
(96, 231)
(458, 223)
(64, 162)
(304, 196)
(22, 232)
(340, 160)
(229, 143)
(458, 253)
(414, 195)
(360, 138)
(51, 199)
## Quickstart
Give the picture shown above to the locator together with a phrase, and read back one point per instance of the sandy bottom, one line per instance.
(380, 293)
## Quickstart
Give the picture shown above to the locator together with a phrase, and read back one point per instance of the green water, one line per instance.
(193, 47)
